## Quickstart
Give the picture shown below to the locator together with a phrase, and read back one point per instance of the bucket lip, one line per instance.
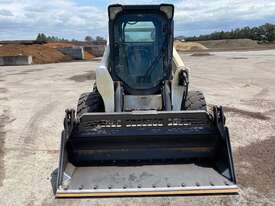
(231, 189)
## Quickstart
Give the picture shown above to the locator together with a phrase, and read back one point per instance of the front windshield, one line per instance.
(139, 50)
(139, 31)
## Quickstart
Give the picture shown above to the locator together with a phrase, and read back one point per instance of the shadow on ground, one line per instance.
(54, 180)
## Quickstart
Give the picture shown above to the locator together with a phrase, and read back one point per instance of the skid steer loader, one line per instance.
(140, 131)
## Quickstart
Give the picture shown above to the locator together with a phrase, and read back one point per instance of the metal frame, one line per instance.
(219, 119)
(180, 82)
(104, 82)
(138, 9)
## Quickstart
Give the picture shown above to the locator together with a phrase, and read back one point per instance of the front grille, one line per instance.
(128, 120)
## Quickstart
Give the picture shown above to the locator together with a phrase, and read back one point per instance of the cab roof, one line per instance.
(115, 9)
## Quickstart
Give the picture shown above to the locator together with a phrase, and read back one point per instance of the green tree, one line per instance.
(264, 33)
(99, 38)
(89, 39)
(268, 31)
(41, 37)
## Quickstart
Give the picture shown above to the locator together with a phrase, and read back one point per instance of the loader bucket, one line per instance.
(145, 153)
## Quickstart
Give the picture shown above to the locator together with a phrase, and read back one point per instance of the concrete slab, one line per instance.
(76, 53)
(15, 60)
(96, 50)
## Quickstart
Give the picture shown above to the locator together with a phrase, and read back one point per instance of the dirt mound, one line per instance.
(188, 46)
(58, 44)
(40, 54)
(230, 44)
(88, 56)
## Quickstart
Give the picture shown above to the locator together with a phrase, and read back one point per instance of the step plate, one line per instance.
(187, 179)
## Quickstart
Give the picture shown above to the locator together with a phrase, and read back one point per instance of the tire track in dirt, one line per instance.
(31, 130)
(3, 90)
(262, 94)
(254, 115)
(23, 72)
(4, 120)
(90, 75)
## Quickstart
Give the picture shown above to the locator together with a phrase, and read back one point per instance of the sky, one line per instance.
(24, 19)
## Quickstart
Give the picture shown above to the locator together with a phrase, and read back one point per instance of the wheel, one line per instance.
(195, 101)
(90, 102)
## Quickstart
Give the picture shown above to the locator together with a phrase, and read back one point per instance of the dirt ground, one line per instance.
(33, 100)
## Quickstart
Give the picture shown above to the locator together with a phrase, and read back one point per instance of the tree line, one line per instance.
(263, 34)
(44, 37)
(90, 38)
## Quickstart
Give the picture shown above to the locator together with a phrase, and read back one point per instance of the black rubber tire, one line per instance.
(90, 102)
(195, 101)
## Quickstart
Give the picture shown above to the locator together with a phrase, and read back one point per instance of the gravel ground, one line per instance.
(33, 99)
